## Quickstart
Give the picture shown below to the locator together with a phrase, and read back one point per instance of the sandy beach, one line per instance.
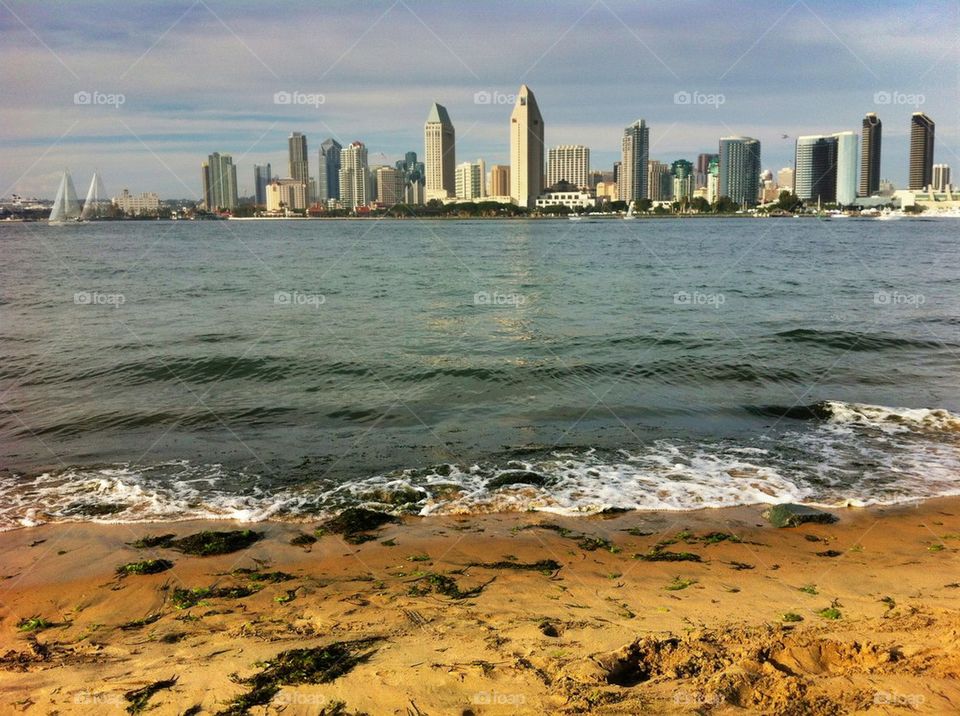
(696, 612)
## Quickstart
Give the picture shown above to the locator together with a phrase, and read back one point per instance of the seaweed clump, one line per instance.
(153, 541)
(318, 665)
(546, 566)
(35, 623)
(442, 584)
(355, 524)
(658, 554)
(206, 544)
(140, 623)
(589, 543)
(255, 575)
(147, 566)
(202, 544)
(186, 598)
(138, 698)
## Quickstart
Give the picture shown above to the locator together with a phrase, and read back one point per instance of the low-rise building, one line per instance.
(147, 202)
(566, 194)
(286, 194)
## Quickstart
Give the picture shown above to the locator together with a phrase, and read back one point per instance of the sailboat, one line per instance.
(93, 207)
(66, 207)
(629, 214)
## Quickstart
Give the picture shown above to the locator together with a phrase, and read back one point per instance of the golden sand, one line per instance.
(861, 616)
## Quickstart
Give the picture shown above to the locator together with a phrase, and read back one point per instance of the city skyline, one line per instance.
(172, 114)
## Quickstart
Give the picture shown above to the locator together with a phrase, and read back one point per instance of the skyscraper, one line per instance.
(703, 168)
(261, 177)
(354, 176)
(713, 180)
(846, 168)
(785, 179)
(739, 169)
(941, 177)
(299, 163)
(439, 140)
(815, 173)
(871, 136)
(411, 176)
(570, 163)
(328, 173)
(526, 149)
(499, 180)
(471, 180)
(635, 151)
(921, 151)
(220, 182)
(657, 174)
(389, 186)
(681, 171)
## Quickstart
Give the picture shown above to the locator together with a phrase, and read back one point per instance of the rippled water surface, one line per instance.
(254, 369)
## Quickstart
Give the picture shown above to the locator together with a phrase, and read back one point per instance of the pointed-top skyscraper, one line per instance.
(439, 144)
(526, 149)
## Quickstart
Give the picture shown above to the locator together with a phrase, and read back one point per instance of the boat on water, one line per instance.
(95, 205)
(629, 215)
(66, 206)
(890, 215)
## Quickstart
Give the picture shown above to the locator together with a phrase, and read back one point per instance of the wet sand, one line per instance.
(470, 615)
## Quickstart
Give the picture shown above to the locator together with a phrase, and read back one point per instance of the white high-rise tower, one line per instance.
(439, 144)
(526, 149)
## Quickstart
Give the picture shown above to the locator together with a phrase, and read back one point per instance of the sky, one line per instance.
(144, 91)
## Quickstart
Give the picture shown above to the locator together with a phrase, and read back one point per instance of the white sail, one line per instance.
(66, 206)
(93, 206)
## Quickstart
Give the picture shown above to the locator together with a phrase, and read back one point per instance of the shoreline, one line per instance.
(500, 613)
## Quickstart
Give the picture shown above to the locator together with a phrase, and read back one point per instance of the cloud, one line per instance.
(200, 76)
